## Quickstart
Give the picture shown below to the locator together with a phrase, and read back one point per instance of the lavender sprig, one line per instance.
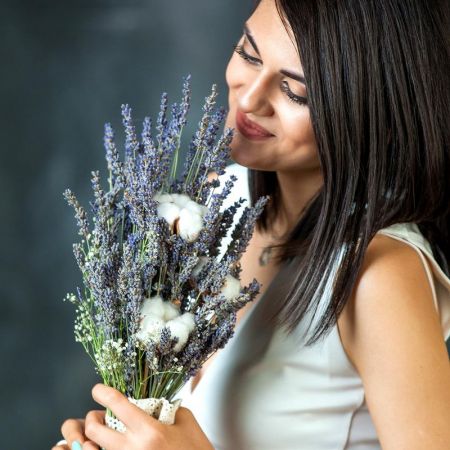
(157, 299)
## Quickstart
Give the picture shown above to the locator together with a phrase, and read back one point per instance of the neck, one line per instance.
(296, 190)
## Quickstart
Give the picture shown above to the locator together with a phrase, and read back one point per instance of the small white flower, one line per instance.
(168, 211)
(180, 199)
(181, 331)
(153, 306)
(231, 287)
(170, 311)
(189, 225)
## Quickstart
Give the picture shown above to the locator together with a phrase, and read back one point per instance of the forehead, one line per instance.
(274, 41)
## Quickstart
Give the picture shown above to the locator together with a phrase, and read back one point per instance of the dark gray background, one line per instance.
(66, 67)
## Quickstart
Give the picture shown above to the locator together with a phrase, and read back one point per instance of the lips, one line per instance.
(249, 128)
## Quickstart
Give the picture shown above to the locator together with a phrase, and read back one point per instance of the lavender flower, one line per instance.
(157, 299)
(80, 213)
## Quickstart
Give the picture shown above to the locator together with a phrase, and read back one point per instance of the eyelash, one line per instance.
(239, 49)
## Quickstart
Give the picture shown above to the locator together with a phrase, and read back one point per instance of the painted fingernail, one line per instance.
(76, 445)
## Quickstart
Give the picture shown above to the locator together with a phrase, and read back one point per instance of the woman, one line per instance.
(341, 110)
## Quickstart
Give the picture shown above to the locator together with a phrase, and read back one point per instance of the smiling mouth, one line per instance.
(250, 129)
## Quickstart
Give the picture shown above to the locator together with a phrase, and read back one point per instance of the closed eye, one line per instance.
(284, 86)
(239, 49)
(291, 96)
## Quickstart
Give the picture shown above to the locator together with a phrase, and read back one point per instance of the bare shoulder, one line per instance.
(391, 332)
(393, 284)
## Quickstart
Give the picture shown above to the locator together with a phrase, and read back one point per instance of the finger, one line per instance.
(89, 445)
(96, 416)
(99, 433)
(60, 447)
(100, 417)
(73, 430)
(132, 416)
(183, 416)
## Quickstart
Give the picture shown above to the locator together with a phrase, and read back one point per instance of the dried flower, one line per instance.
(189, 225)
(157, 298)
(231, 287)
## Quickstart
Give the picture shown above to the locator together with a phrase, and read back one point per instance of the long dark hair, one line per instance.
(377, 78)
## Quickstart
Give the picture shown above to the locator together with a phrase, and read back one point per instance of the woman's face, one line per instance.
(263, 77)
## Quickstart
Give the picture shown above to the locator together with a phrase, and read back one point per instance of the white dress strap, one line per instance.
(410, 234)
(424, 261)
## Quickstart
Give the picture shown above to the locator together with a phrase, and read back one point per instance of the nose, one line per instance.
(254, 96)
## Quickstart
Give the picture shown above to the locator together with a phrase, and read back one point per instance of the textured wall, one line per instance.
(66, 67)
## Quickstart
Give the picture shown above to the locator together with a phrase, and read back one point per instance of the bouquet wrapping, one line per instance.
(158, 297)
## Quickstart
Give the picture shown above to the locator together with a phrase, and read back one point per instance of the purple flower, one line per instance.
(133, 254)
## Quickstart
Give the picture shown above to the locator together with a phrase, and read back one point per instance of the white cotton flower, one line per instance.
(163, 198)
(171, 311)
(231, 287)
(202, 260)
(189, 225)
(150, 329)
(181, 331)
(168, 211)
(195, 207)
(153, 306)
(188, 319)
(180, 199)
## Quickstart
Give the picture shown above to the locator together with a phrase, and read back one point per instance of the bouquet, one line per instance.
(158, 299)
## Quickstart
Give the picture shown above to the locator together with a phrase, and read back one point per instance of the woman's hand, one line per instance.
(72, 431)
(143, 431)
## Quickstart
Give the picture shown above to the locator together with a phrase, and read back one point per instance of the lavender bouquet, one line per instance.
(158, 299)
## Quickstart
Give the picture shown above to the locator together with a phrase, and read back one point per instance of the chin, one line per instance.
(247, 159)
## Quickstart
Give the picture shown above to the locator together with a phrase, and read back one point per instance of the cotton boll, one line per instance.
(189, 225)
(179, 330)
(150, 329)
(152, 325)
(153, 306)
(201, 262)
(170, 311)
(188, 319)
(163, 198)
(198, 208)
(169, 212)
(180, 199)
(231, 287)
(195, 207)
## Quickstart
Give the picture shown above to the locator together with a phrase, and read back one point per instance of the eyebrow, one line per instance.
(285, 72)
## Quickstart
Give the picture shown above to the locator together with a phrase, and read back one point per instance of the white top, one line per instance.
(266, 391)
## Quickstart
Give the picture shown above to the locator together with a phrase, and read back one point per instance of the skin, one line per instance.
(143, 432)
(390, 329)
(255, 89)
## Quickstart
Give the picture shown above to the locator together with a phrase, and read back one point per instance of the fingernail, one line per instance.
(76, 445)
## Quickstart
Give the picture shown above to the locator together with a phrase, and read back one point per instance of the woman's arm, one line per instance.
(393, 336)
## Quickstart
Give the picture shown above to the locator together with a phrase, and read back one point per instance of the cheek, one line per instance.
(232, 76)
(297, 126)
(298, 146)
